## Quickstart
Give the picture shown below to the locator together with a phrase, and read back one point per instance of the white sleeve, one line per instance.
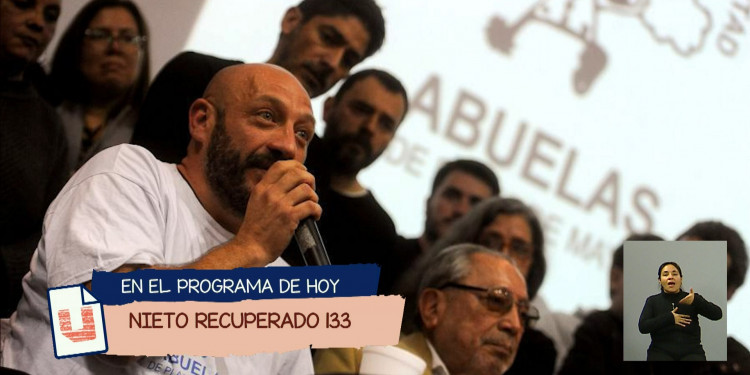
(102, 222)
(298, 362)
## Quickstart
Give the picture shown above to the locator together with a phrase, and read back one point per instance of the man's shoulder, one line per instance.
(130, 162)
(371, 202)
(414, 342)
(359, 203)
(122, 157)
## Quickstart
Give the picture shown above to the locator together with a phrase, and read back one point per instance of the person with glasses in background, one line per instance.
(99, 77)
(473, 308)
(509, 226)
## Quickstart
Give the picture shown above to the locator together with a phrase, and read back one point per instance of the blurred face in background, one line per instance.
(26, 27)
(452, 199)
(361, 123)
(321, 50)
(511, 235)
(112, 50)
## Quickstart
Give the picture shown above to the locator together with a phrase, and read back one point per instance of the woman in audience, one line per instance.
(100, 75)
(671, 317)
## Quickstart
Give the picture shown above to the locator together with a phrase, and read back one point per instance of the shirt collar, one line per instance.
(438, 366)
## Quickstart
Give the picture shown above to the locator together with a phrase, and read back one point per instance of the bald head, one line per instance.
(237, 82)
(274, 93)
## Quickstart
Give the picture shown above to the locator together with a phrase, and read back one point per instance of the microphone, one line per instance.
(311, 244)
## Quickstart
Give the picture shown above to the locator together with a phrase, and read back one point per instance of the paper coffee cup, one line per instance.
(388, 360)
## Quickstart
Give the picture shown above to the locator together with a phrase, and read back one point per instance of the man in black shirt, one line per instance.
(361, 120)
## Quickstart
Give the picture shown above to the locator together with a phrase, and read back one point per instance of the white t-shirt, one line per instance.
(123, 207)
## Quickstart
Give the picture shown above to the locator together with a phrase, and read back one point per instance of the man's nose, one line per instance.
(511, 322)
(35, 21)
(283, 144)
(461, 207)
(114, 44)
(332, 58)
(370, 124)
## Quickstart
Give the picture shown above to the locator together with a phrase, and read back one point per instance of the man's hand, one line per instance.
(279, 201)
(688, 300)
(680, 319)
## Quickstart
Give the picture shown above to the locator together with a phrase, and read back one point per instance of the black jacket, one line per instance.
(657, 319)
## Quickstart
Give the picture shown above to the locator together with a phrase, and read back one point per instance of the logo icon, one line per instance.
(77, 321)
(581, 21)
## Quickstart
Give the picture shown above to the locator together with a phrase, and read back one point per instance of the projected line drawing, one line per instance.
(682, 24)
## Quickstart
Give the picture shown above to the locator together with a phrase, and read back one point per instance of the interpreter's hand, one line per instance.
(279, 201)
(680, 319)
(688, 300)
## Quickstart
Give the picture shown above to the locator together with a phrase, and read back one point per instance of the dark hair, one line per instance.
(469, 228)
(388, 81)
(717, 231)
(679, 270)
(367, 11)
(66, 76)
(472, 167)
(617, 256)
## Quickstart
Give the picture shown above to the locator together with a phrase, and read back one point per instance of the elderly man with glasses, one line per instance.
(473, 308)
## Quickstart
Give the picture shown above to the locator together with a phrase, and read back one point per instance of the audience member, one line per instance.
(100, 74)
(125, 210)
(509, 226)
(458, 186)
(32, 140)
(320, 42)
(738, 357)
(598, 346)
(361, 120)
(472, 311)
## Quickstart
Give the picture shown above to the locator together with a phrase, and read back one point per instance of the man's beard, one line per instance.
(343, 159)
(226, 171)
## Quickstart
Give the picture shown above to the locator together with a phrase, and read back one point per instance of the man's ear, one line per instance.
(292, 19)
(202, 117)
(432, 304)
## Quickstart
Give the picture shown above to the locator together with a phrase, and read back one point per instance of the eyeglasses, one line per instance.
(501, 300)
(106, 36)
